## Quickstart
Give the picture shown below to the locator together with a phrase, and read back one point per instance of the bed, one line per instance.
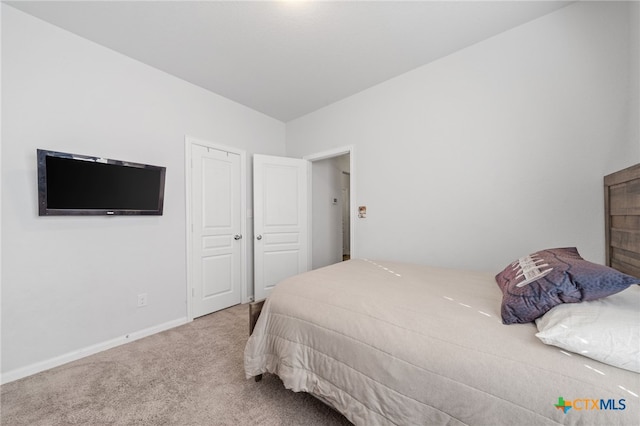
(395, 343)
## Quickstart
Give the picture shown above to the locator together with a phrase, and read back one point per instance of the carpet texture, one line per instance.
(189, 375)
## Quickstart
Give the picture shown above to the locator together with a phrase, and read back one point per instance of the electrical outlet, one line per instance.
(142, 300)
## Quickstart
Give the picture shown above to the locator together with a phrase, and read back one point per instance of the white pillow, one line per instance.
(607, 329)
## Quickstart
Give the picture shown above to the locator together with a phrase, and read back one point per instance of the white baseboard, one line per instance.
(37, 367)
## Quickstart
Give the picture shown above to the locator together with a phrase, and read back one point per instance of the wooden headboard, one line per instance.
(622, 220)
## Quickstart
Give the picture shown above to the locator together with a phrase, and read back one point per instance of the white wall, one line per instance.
(71, 282)
(494, 151)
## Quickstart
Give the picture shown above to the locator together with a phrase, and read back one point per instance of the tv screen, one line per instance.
(71, 184)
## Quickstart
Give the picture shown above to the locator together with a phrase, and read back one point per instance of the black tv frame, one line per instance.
(44, 210)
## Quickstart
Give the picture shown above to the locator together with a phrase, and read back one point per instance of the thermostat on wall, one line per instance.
(362, 212)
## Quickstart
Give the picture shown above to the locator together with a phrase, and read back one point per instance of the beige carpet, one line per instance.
(190, 375)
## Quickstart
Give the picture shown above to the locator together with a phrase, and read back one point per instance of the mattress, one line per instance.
(394, 343)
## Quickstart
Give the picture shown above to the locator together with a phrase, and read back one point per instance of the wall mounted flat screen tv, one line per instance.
(71, 184)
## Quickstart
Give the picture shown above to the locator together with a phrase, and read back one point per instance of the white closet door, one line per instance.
(280, 220)
(216, 216)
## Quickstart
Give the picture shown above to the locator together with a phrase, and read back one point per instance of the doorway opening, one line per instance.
(331, 189)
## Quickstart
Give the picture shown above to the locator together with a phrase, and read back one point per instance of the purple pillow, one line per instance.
(534, 284)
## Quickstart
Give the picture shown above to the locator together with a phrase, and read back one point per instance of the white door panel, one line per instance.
(216, 216)
(217, 272)
(280, 220)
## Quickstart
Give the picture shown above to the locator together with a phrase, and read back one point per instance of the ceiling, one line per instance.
(286, 58)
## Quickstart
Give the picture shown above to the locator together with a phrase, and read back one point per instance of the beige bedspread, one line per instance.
(394, 343)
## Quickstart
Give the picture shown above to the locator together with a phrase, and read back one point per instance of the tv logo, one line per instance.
(583, 404)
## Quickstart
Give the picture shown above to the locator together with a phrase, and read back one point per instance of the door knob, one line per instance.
(237, 237)
(259, 237)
